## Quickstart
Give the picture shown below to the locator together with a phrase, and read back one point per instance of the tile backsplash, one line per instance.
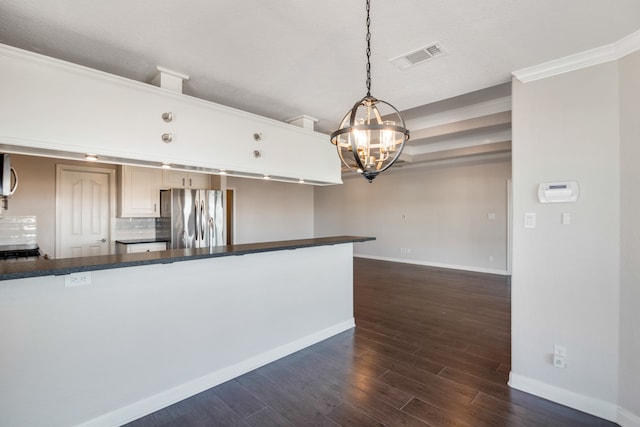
(18, 230)
(135, 228)
(23, 230)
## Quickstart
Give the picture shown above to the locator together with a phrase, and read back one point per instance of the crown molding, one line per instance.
(627, 45)
(589, 58)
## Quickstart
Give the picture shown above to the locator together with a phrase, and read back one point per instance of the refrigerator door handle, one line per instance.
(195, 212)
(203, 223)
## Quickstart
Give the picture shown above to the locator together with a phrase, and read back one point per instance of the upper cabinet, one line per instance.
(65, 108)
(183, 179)
(139, 192)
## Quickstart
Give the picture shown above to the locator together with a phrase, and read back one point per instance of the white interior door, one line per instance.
(84, 206)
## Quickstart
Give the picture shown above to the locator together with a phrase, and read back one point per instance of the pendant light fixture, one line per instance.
(372, 134)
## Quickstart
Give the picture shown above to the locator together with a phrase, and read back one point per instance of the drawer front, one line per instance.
(146, 247)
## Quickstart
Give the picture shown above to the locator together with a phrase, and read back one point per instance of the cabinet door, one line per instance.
(183, 179)
(140, 192)
(198, 181)
(174, 179)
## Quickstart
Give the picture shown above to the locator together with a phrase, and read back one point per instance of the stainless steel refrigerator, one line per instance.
(191, 218)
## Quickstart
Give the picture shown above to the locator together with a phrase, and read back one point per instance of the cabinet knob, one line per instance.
(167, 117)
(167, 137)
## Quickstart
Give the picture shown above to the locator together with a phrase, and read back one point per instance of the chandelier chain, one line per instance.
(372, 134)
(368, 50)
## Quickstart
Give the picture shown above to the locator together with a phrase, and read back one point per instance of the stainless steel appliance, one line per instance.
(8, 181)
(8, 176)
(191, 218)
(25, 252)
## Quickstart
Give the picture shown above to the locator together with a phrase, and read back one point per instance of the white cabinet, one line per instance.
(127, 124)
(184, 179)
(198, 180)
(139, 192)
(133, 248)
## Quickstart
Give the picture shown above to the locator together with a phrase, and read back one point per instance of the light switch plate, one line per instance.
(529, 220)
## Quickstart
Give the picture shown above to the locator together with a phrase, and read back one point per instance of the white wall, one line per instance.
(565, 286)
(438, 212)
(629, 392)
(270, 211)
(140, 338)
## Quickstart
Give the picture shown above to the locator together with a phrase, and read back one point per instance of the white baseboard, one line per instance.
(436, 264)
(168, 397)
(628, 419)
(590, 405)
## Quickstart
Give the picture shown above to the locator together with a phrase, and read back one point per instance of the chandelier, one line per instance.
(372, 134)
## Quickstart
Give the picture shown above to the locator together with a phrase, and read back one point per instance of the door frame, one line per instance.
(230, 215)
(60, 168)
(509, 226)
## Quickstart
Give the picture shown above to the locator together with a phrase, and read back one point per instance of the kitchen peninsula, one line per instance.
(128, 334)
(153, 328)
(64, 266)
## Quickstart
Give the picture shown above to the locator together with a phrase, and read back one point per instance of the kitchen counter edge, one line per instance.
(59, 267)
(142, 241)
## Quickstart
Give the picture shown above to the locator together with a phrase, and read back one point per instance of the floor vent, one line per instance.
(418, 56)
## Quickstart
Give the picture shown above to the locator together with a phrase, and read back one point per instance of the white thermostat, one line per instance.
(558, 192)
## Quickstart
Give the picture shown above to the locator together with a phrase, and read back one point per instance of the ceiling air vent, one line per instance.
(418, 56)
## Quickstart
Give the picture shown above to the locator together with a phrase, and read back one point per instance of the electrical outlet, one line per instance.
(559, 350)
(77, 279)
(490, 258)
(559, 362)
(559, 356)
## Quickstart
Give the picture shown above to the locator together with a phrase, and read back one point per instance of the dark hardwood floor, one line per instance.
(431, 348)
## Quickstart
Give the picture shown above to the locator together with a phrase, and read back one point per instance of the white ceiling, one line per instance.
(284, 58)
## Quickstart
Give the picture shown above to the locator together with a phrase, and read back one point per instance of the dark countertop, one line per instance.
(57, 267)
(138, 241)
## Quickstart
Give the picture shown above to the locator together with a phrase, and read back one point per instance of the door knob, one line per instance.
(102, 240)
